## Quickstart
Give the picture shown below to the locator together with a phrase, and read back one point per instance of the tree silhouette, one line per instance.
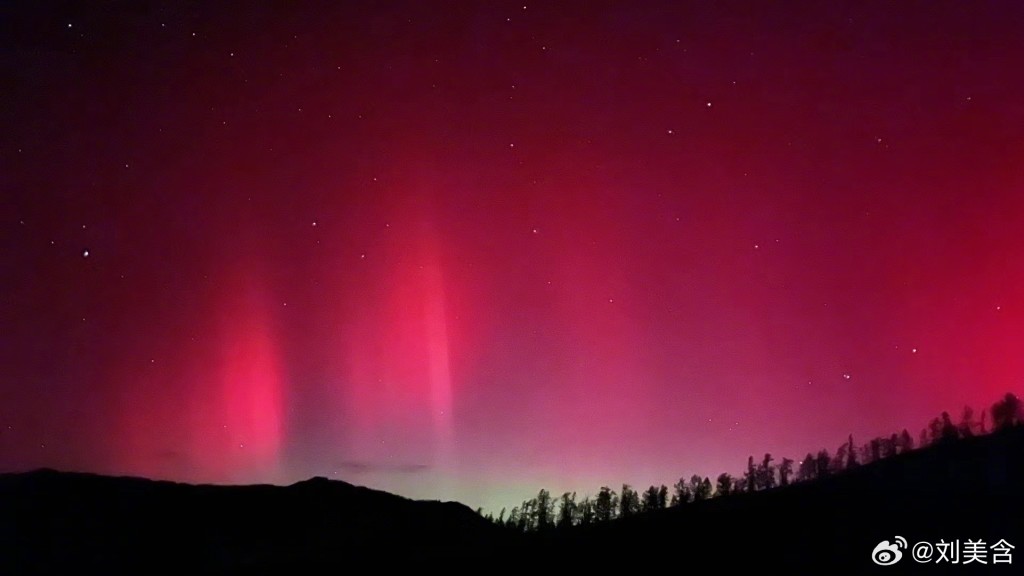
(539, 513)
(566, 509)
(823, 460)
(528, 516)
(543, 510)
(766, 473)
(1006, 412)
(785, 471)
(839, 462)
(649, 501)
(967, 424)
(851, 453)
(737, 485)
(906, 442)
(865, 453)
(723, 486)
(695, 481)
(681, 494)
(808, 468)
(701, 488)
(889, 445)
(586, 512)
(604, 505)
(513, 518)
(629, 501)
(949, 430)
(935, 430)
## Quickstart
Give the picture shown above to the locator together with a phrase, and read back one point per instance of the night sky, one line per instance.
(469, 250)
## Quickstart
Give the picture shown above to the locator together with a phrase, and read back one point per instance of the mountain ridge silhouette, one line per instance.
(70, 522)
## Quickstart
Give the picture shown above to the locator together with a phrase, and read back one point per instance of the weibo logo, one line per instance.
(888, 553)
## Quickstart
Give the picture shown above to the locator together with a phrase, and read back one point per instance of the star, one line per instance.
(85, 253)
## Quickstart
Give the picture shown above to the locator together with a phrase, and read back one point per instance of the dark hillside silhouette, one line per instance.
(823, 515)
(71, 523)
(971, 489)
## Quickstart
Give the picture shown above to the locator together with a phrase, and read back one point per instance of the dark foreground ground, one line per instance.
(66, 523)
